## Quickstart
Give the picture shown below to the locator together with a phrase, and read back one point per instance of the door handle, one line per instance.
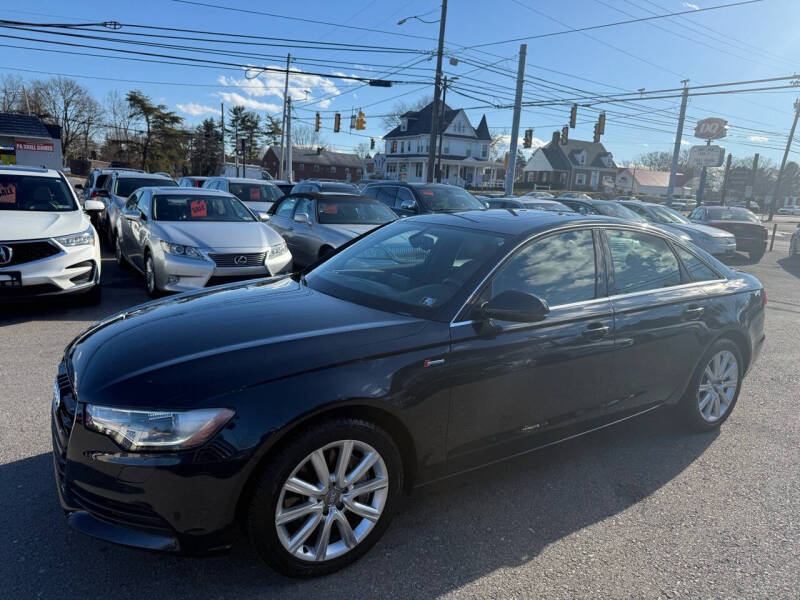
(694, 312)
(596, 331)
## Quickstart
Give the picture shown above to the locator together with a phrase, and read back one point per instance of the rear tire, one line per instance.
(756, 255)
(332, 522)
(714, 387)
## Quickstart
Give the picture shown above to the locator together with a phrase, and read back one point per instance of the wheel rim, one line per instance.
(332, 500)
(150, 275)
(718, 386)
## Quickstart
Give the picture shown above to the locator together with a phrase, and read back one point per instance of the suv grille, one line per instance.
(25, 252)
(230, 260)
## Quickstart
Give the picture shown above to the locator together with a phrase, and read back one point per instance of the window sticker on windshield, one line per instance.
(427, 192)
(331, 209)
(255, 193)
(199, 208)
(428, 301)
(8, 194)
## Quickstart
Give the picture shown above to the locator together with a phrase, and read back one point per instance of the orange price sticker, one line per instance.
(199, 208)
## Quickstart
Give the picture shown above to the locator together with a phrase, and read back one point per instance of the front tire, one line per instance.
(326, 498)
(119, 257)
(714, 387)
(150, 280)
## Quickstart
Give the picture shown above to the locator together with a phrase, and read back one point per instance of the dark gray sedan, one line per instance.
(315, 224)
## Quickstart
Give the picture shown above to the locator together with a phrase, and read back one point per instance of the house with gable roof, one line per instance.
(576, 165)
(465, 149)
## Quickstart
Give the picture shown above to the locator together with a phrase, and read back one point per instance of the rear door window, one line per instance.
(387, 195)
(286, 208)
(641, 262)
(697, 269)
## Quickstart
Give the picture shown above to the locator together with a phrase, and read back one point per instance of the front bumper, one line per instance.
(719, 246)
(180, 274)
(183, 502)
(751, 244)
(71, 270)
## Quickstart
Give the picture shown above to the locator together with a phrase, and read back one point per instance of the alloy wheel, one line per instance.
(150, 275)
(332, 500)
(718, 386)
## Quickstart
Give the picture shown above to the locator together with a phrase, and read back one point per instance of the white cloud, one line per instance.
(691, 5)
(504, 142)
(685, 143)
(195, 109)
(758, 138)
(270, 84)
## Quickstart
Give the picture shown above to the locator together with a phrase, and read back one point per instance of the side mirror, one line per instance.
(264, 217)
(408, 205)
(302, 218)
(512, 305)
(93, 205)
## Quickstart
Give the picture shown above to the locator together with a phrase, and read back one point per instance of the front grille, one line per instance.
(25, 252)
(125, 514)
(229, 260)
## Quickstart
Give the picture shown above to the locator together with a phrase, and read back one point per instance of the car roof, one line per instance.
(246, 180)
(329, 195)
(174, 189)
(139, 175)
(22, 170)
(519, 222)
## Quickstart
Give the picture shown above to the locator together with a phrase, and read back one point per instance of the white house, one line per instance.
(465, 149)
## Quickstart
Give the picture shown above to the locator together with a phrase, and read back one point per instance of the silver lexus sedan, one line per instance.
(187, 238)
(314, 224)
(712, 240)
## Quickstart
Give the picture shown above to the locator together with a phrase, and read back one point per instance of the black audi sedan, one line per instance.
(301, 407)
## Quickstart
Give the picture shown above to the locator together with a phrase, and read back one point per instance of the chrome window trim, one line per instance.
(592, 226)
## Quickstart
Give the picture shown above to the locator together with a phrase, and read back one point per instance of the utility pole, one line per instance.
(236, 146)
(773, 205)
(441, 134)
(436, 91)
(752, 182)
(725, 180)
(677, 150)
(283, 118)
(512, 150)
(288, 139)
(222, 127)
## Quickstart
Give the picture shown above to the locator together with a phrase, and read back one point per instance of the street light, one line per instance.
(418, 18)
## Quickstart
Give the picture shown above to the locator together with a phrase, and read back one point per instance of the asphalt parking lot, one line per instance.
(642, 510)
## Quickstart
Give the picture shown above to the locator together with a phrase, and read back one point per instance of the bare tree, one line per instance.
(11, 93)
(362, 150)
(305, 136)
(392, 120)
(69, 104)
(119, 115)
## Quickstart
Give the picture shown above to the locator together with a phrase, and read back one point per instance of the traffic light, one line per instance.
(352, 122)
(372, 143)
(317, 122)
(596, 132)
(361, 122)
(573, 116)
(337, 122)
(601, 123)
(565, 135)
(527, 141)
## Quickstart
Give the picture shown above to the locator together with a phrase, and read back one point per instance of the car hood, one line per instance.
(32, 225)
(196, 347)
(219, 235)
(695, 228)
(349, 230)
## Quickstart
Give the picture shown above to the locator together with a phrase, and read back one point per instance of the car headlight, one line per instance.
(179, 250)
(277, 249)
(138, 430)
(84, 238)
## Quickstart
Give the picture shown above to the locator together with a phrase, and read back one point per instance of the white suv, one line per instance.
(47, 243)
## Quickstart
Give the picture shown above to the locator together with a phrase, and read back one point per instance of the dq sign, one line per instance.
(711, 128)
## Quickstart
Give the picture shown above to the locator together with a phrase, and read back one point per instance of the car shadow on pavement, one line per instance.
(791, 265)
(447, 535)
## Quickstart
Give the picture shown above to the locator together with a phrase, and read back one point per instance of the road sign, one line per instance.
(706, 156)
(748, 191)
(711, 128)
(739, 177)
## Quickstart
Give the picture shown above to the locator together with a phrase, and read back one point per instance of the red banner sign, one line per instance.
(34, 146)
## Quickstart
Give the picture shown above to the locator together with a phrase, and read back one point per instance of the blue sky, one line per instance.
(741, 43)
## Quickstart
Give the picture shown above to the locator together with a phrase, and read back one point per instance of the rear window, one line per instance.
(42, 194)
(255, 192)
(613, 209)
(441, 199)
(355, 211)
(127, 185)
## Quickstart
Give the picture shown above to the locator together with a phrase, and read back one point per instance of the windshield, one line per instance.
(551, 206)
(409, 267)
(127, 185)
(29, 192)
(446, 198)
(613, 209)
(664, 214)
(545, 195)
(196, 207)
(357, 211)
(255, 192)
(719, 213)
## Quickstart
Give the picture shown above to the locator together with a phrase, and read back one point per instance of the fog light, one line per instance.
(173, 279)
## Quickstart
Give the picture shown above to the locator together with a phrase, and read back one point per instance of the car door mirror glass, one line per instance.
(408, 205)
(512, 305)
